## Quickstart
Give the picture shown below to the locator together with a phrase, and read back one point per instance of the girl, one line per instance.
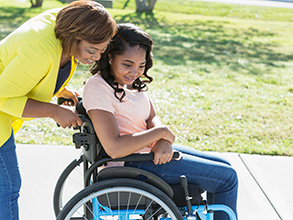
(125, 120)
(36, 62)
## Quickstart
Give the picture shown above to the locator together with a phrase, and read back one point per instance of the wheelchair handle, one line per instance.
(61, 100)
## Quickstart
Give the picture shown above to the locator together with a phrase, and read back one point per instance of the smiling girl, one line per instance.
(125, 120)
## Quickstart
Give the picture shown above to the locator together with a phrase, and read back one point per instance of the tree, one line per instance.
(145, 5)
(36, 3)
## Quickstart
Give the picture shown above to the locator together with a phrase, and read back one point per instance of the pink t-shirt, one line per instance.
(131, 114)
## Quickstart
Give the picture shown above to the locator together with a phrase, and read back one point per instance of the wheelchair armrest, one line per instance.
(143, 157)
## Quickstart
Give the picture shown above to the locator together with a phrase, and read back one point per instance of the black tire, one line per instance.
(118, 194)
(61, 197)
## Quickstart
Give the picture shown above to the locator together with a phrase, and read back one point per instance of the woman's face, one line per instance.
(128, 66)
(88, 53)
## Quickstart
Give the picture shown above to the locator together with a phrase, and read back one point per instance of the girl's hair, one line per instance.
(128, 35)
(83, 20)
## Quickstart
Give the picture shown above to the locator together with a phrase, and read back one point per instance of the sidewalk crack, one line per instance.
(254, 178)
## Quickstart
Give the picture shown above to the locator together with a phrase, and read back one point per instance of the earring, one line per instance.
(110, 62)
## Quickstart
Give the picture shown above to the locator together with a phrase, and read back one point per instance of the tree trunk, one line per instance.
(36, 3)
(145, 5)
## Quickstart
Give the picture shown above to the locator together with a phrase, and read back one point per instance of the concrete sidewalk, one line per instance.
(265, 182)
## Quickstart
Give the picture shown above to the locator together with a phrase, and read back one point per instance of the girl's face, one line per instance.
(128, 66)
(88, 53)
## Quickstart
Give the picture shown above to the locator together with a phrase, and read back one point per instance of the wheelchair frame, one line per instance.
(120, 182)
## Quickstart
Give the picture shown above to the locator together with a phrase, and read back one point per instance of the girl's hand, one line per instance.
(163, 152)
(68, 94)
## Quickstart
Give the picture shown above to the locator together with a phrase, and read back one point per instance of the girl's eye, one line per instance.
(127, 65)
(91, 52)
(142, 67)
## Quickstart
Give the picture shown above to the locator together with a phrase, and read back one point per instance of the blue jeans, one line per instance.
(212, 173)
(10, 181)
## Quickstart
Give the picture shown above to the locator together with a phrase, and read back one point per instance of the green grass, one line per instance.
(223, 74)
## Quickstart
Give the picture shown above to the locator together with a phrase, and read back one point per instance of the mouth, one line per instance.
(88, 61)
(130, 79)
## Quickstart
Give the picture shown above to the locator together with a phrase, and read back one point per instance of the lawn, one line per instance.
(223, 73)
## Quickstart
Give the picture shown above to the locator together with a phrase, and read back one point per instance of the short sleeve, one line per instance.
(97, 94)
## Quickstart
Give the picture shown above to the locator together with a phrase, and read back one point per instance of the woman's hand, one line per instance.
(66, 117)
(163, 152)
(68, 94)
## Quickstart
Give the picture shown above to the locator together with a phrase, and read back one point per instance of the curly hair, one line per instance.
(128, 35)
(83, 20)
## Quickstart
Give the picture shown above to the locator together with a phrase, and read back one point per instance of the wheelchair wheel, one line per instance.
(120, 198)
(69, 184)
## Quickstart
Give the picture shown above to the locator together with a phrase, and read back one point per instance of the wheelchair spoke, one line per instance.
(128, 203)
(137, 204)
(108, 200)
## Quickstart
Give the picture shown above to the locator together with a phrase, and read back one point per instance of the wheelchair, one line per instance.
(84, 191)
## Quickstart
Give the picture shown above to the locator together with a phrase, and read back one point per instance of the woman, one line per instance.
(125, 120)
(36, 62)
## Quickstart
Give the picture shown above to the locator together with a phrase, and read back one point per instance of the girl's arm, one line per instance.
(117, 145)
(154, 121)
(162, 149)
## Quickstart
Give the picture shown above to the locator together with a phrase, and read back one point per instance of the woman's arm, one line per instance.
(63, 116)
(117, 145)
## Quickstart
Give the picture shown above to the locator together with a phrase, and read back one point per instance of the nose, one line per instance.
(134, 71)
(96, 57)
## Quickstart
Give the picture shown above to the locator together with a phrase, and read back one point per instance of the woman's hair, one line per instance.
(128, 35)
(83, 20)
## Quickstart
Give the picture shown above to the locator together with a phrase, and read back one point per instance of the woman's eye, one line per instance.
(127, 65)
(91, 52)
(142, 67)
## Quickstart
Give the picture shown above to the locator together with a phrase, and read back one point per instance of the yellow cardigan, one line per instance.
(29, 65)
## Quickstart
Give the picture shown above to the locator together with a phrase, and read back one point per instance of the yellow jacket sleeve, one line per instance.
(21, 75)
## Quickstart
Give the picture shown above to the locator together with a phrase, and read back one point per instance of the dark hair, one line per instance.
(128, 35)
(83, 20)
